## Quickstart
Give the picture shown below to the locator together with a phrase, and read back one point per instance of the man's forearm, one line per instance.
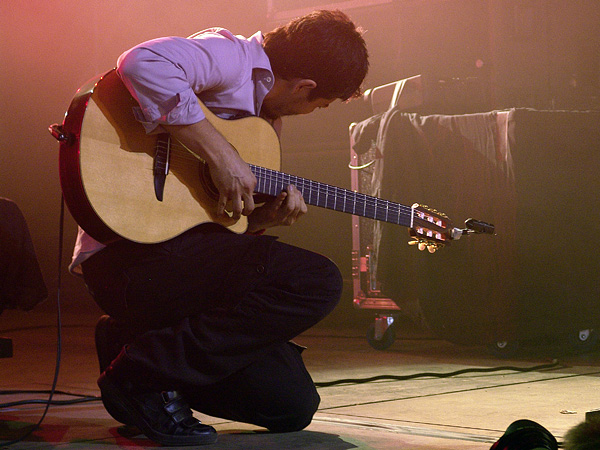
(202, 139)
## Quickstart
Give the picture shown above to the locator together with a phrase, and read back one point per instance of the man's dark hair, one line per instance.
(324, 46)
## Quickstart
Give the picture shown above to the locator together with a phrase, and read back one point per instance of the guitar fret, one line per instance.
(334, 201)
(261, 182)
(346, 204)
(318, 197)
(378, 209)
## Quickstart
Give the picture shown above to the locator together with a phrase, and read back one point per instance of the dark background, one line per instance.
(489, 54)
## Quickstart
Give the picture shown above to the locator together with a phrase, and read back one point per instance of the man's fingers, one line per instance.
(221, 205)
(280, 199)
(238, 206)
(248, 204)
(295, 199)
(295, 206)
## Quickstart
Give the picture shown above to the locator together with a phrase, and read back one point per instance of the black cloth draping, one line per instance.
(530, 173)
(21, 283)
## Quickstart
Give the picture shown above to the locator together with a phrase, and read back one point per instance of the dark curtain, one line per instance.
(21, 282)
(534, 175)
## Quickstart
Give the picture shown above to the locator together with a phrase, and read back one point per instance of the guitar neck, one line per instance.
(272, 182)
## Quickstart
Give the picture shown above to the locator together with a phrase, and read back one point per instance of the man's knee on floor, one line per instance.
(331, 283)
(334, 275)
(296, 416)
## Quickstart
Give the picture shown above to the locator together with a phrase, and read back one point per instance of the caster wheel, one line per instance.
(386, 340)
(504, 349)
(584, 340)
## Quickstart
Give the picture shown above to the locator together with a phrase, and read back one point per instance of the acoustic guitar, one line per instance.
(119, 182)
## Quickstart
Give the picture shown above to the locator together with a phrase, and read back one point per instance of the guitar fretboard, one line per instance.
(272, 182)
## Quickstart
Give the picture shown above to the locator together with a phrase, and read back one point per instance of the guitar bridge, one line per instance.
(160, 169)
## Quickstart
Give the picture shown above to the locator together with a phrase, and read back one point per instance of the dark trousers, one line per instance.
(213, 312)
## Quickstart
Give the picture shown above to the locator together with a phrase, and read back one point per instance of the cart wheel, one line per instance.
(504, 349)
(386, 340)
(584, 340)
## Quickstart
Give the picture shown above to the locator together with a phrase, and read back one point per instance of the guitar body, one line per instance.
(106, 170)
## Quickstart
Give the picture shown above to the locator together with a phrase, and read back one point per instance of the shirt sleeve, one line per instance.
(165, 75)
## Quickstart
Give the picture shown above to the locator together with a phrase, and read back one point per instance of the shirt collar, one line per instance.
(260, 60)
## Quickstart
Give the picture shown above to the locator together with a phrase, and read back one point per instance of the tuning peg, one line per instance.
(419, 243)
(422, 244)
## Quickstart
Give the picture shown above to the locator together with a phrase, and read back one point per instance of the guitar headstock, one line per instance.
(430, 229)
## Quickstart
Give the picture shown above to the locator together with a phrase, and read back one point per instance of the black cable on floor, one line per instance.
(58, 328)
(82, 398)
(553, 365)
(41, 391)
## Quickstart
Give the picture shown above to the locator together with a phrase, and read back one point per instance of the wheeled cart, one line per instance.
(367, 292)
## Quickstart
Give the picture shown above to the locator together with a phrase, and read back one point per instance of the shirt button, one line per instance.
(268, 79)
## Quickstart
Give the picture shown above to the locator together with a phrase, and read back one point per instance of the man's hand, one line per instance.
(285, 209)
(235, 182)
(230, 174)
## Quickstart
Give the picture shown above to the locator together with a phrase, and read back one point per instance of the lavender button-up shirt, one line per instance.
(230, 74)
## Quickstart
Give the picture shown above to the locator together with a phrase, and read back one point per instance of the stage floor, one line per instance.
(466, 411)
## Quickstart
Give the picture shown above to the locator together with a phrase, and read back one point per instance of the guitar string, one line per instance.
(303, 184)
(386, 211)
(186, 156)
(278, 176)
(377, 207)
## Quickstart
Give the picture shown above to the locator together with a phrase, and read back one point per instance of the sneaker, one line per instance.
(163, 417)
